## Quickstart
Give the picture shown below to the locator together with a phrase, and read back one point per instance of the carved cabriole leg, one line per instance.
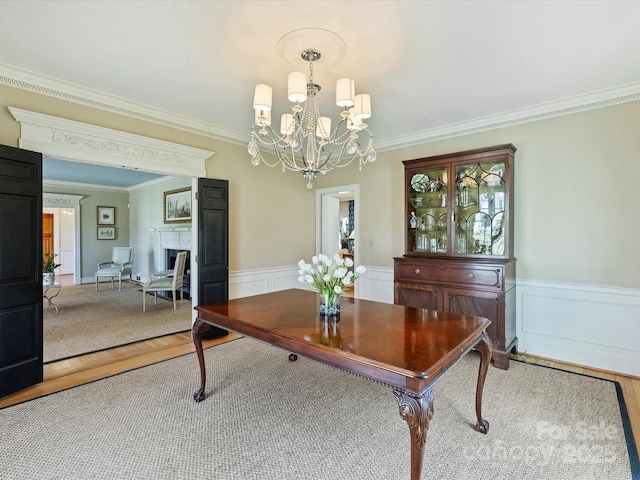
(199, 327)
(417, 411)
(484, 347)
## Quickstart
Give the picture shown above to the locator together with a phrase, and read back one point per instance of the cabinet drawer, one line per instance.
(491, 276)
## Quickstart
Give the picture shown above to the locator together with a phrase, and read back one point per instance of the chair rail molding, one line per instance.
(554, 320)
(70, 140)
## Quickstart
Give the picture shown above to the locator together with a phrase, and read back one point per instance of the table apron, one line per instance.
(379, 373)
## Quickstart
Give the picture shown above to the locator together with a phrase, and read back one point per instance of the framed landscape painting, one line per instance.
(106, 233)
(177, 206)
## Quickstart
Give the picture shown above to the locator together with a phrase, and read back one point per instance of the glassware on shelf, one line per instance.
(476, 196)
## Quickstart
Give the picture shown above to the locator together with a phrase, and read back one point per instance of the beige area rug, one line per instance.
(91, 321)
(270, 419)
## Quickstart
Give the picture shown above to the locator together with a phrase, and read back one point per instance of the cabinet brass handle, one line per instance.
(470, 275)
(417, 271)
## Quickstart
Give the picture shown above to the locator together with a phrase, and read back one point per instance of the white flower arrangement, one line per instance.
(329, 277)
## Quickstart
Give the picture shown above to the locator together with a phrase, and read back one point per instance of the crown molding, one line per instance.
(105, 188)
(26, 80)
(580, 103)
(81, 186)
(69, 140)
(45, 85)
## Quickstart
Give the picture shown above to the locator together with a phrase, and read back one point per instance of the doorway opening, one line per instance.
(60, 238)
(337, 222)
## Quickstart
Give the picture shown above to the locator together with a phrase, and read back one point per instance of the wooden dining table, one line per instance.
(406, 348)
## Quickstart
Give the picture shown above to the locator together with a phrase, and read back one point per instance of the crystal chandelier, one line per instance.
(306, 143)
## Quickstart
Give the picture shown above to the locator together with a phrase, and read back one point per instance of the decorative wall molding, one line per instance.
(69, 140)
(120, 149)
(43, 85)
(376, 284)
(19, 78)
(577, 104)
(582, 324)
(60, 200)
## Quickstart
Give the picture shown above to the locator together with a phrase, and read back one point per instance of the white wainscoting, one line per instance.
(376, 284)
(582, 324)
(244, 283)
(67, 261)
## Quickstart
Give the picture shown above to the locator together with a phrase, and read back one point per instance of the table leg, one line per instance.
(50, 299)
(199, 327)
(484, 347)
(417, 411)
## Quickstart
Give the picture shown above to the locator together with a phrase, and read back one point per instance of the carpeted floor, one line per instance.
(267, 418)
(91, 321)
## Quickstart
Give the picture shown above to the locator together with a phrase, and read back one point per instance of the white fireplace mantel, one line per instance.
(174, 238)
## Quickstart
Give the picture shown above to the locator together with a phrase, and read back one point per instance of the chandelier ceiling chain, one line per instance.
(306, 143)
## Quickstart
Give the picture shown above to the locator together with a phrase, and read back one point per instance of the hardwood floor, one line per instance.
(87, 368)
(83, 369)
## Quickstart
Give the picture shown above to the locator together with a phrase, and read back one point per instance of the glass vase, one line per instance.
(330, 304)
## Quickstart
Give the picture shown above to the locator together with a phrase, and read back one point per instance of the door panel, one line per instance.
(20, 269)
(479, 304)
(213, 245)
(47, 233)
(415, 295)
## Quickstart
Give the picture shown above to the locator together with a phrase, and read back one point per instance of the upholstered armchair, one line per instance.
(119, 266)
(167, 281)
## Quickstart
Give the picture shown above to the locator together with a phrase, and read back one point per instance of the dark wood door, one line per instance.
(20, 269)
(47, 233)
(213, 245)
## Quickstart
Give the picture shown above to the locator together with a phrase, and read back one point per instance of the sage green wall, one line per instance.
(93, 250)
(576, 206)
(271, 214)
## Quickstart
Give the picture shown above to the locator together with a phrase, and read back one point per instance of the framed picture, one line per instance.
(106, 216)
(106, 233)
(177, 206)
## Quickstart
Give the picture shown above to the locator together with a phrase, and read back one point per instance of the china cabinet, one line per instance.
(459, 240)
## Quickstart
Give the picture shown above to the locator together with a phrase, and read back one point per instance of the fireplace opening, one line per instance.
(170, 262)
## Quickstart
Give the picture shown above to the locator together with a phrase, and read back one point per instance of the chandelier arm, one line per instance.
(271, 139)
(335, 139)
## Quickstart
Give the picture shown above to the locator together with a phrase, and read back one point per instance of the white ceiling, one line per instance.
(428, 65)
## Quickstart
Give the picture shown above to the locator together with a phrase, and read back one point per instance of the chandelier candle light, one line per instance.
(306, 143)
(329, 278)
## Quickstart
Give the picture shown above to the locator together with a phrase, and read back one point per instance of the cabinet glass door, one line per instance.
(427, 197)
(479, 212)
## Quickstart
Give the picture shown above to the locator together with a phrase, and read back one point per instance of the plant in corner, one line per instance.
(49, 266)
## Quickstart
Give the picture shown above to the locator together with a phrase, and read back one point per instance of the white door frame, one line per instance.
(337, 192)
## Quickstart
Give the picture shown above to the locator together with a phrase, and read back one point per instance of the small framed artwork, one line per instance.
(106, 215)
(177, 206)
(106, 233)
